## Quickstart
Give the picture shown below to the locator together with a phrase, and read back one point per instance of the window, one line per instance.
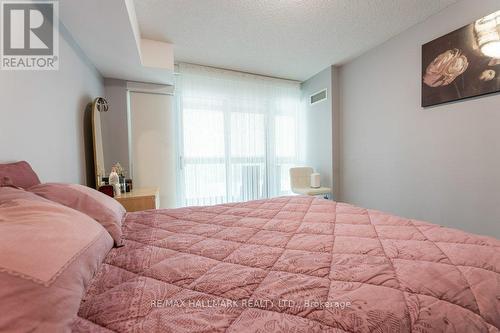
(238, 135)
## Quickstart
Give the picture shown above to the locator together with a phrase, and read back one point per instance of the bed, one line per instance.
(72, 260)
(292, 264)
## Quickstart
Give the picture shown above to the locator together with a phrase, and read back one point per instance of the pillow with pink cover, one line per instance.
(18, 174)
(102, 208)
(48, 255)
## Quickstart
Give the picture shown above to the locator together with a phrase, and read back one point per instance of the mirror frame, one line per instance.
(98, 105)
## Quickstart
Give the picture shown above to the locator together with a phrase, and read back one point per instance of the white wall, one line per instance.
(322, 127)
(153, 144)
(440, 164)
(318, 126)
(41, 114)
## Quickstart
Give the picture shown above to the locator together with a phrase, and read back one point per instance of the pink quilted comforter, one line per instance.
(293, 264)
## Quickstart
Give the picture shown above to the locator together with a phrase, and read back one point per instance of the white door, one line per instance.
(153, 144)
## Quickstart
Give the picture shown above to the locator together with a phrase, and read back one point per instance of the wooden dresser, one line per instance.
(140, 199)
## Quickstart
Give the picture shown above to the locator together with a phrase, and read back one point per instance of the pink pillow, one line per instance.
(102, 208)
(19, 174)
(48, 255)
(6, 181)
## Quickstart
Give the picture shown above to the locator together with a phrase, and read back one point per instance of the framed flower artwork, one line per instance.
(462, 64)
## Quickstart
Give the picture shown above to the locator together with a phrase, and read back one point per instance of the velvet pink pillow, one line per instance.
(48, 255)
(18, 174)
(102, 208)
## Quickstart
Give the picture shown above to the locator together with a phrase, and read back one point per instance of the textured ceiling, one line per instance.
(284, 38)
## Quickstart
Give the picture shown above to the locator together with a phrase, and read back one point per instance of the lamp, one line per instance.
(487, 33)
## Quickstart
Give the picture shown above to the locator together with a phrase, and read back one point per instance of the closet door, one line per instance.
(153, 144)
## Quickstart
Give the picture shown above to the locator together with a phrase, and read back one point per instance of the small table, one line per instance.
(140, 199)
(313, 191)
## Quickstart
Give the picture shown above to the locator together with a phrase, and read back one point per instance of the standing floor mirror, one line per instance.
(98, 106)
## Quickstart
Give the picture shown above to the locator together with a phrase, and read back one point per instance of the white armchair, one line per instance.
(300, 181)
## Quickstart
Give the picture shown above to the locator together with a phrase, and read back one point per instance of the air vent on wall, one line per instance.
(317, 97)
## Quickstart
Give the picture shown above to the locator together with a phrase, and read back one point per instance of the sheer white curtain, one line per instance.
(238, 135)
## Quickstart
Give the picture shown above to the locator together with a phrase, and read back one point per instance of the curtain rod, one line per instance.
(238, 71)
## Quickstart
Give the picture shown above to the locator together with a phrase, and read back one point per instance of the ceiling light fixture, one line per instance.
(487, 33)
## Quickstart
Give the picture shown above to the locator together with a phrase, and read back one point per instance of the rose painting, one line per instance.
(462, 64)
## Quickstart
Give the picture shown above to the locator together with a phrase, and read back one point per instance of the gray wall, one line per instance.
(115, 129)
(41, 116)
(440, 164)
(318, 126)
